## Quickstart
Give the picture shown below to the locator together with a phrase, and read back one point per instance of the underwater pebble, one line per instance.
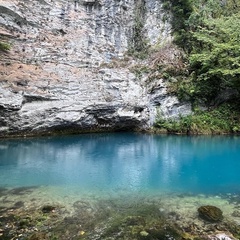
(221, 236)
(236, 213)
(81, 233)
(144, 233)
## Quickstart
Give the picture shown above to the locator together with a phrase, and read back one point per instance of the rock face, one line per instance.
(68, 67)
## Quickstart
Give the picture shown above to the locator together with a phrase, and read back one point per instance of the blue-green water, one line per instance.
(124, 162)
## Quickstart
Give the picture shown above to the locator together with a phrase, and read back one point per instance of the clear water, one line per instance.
(128, 162)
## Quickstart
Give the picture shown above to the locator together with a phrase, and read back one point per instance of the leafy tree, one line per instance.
(181, 11)
(215, 58)
(208, 31)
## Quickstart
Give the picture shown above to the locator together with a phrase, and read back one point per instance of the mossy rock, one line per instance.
(164, 233)
(135, 220)
(48, 209)
(210, 213)
(43, 236)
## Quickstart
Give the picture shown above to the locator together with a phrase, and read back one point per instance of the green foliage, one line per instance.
(215, 59)
(140, 70)
(181, 11)
(209, 33)
(4, 46)
(224, 119)
(138, 44)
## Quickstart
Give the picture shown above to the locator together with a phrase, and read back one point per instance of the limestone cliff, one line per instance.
(68, 67)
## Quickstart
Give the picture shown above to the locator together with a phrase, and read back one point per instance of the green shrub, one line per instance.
(138, 45)
(4, 46)
(222, 120)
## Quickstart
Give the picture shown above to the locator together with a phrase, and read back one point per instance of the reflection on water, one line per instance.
(123, 161)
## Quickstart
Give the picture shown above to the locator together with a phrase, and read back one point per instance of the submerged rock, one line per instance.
(135, 220)
(210, 213)
(48, 209)
(236, 213)
(221, 236)
(39, 236)
(144, 233)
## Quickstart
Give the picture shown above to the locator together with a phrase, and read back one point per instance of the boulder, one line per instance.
(210, 213)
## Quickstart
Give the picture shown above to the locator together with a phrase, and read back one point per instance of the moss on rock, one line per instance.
(210, 213)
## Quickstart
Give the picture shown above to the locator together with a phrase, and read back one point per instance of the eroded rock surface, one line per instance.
(68, 67)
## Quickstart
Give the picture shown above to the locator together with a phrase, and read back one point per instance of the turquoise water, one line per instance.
(129, 162)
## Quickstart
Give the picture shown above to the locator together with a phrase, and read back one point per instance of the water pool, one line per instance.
(124, 162)
(118, 184)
